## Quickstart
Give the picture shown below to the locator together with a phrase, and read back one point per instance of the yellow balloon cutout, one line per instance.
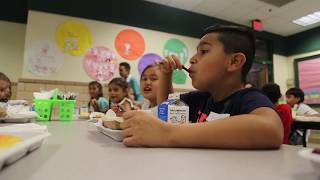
(73, 37)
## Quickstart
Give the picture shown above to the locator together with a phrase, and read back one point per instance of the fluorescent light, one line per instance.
(308, 19)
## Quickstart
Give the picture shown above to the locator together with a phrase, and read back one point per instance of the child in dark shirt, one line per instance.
(232, 117)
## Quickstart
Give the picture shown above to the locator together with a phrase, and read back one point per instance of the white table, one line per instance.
(304, 123)
(76, 150)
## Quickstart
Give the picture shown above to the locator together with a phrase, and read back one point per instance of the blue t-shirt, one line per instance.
(103, 103)
(241, 102)
(136, 89)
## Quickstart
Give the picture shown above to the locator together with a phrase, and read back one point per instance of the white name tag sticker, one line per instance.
(215, 116)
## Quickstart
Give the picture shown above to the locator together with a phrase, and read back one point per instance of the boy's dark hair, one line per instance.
(98, 85)
(236, 39)
(296, 92)
(272, 91)
(120, 82)
(125, 65)
(5, 78)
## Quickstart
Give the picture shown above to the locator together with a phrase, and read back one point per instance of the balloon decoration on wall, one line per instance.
(176, 47)
(147, 60)
(129, 44)
(100, 63)
(73, 37)
(43, 58)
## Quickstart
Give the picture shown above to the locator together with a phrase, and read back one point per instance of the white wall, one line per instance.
(42, 26)
(12, 38)
(281, 71)
(284, 71)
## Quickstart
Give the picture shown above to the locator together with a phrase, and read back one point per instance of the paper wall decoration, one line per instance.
(129, 44)
(100, 63)
(73, 37)
(147, 60)
(309, 79)
(176, 47)
(43, 58)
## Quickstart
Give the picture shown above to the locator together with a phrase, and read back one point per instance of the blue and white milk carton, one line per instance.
(174, 110)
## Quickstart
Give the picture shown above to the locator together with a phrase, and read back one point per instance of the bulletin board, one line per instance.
(65, 48)
(307, 76)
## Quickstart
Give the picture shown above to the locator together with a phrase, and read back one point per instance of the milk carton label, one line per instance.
(178, 114)
(174, 111)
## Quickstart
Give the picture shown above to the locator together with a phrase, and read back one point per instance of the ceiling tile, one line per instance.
(184, 4)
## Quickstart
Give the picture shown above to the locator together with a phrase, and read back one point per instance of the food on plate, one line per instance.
(3, 112)
(112, 122)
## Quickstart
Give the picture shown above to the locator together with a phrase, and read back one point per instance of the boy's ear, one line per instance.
(237, 61)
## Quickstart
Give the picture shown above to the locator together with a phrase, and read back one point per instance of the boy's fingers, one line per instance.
(172, 63)
(129, 141)
(177, 61)
(129, 114)
(124, 125)
(127, 132)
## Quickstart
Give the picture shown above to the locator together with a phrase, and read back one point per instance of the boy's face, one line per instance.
(209, 64)
(292, 100)
(123, 72)
(4, 90)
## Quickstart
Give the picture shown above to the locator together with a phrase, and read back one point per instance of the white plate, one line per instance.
(314, 158)
(30, 142)
(114, 134)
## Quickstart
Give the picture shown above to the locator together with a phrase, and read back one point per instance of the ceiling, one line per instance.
(275, 18)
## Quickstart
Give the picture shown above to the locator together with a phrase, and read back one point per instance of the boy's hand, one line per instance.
(169, 64)
(143, 129)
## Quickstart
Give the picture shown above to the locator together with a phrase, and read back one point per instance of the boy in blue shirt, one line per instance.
(124, 71)
(218, 69)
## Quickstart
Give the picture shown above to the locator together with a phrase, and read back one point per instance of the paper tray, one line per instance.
(114, 134)
(30, 142)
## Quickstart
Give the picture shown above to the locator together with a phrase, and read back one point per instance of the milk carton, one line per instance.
(174, 110)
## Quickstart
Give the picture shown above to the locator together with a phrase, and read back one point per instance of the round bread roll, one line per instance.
(112, 123)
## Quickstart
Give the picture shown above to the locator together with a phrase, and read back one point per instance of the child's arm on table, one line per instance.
(261, 129)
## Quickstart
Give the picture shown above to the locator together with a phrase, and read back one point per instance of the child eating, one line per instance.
(118, 96)
(97, 102)
(228, 116)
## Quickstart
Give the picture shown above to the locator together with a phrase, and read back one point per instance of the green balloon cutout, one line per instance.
(179, 77)
(176, 47)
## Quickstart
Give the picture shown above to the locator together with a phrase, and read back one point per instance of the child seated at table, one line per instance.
(295, 97)
(118, 96)
(272, 90)
(5, 88)
(149, 84)
(239, 118)
(97, 102)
